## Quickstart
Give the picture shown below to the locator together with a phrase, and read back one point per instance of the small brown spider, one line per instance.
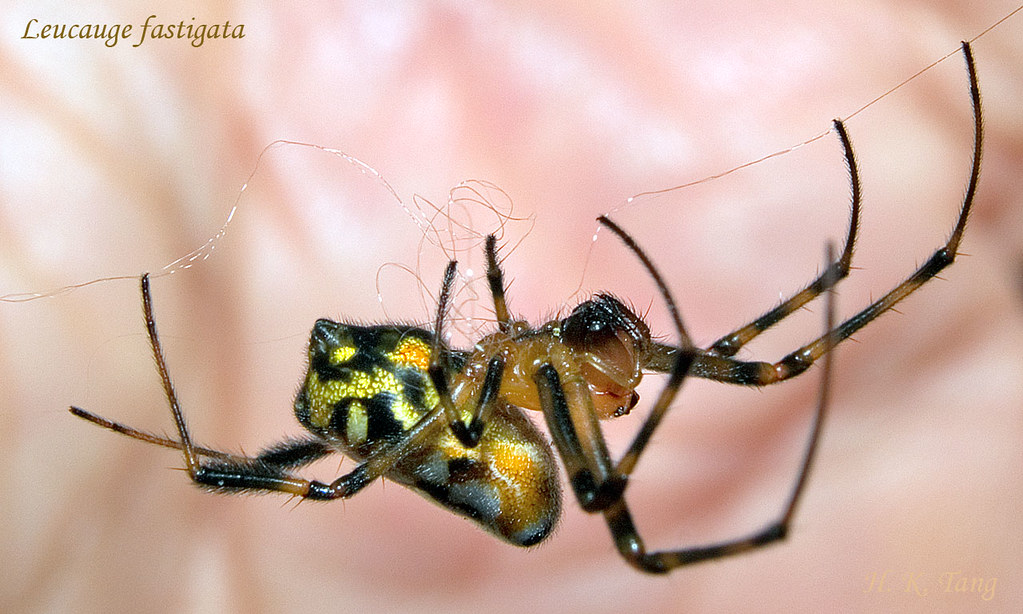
(449, 423)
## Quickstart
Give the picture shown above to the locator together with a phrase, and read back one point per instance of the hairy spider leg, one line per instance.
(715, 364)
(469, 433)
(619, 520)
(266, 471)
(730, 344)
(292, 453)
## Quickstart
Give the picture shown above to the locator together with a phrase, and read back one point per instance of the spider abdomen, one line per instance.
(367, 387)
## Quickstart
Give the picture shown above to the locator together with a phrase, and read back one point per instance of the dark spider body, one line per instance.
(450, 423)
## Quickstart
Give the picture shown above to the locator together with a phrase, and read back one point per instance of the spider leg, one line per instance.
(713, 365)
(267, 471)
(290, 453)
(148, 437)
(628, 540)
(438, 358)
(681, 362)
(731, 343)
(575, 430)
(496, 280)
(568, 408)
(294, 453)
(468, 434)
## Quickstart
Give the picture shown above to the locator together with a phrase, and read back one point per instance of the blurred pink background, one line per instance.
(119, 160)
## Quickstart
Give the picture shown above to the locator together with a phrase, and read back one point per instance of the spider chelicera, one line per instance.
(449, 423)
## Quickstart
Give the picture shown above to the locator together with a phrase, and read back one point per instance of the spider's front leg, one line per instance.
(716, 363)
(730, 344)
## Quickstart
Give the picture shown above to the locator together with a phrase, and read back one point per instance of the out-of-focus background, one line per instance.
(117, 160)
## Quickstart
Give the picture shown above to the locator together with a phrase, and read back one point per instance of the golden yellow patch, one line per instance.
(512, 459)
(412, 352)
(516, 473)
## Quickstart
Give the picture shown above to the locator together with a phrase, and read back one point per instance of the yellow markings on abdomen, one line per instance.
(518, 474)
(324, 395)
(411, 352)
(517, 483)
(342, 354)
(357, 426)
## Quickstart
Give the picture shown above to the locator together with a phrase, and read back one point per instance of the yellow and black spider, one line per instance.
(450, 423)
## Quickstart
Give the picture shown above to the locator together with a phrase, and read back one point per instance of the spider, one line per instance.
(449, 423)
